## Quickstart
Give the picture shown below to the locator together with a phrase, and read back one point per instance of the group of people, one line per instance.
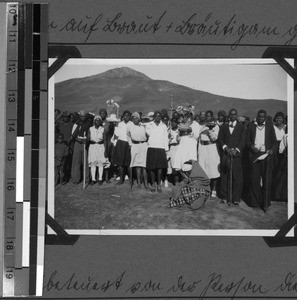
(224, 156)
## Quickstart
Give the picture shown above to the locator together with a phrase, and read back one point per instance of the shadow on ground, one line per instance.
(112, 206)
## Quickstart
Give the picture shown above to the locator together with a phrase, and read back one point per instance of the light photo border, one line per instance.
(173, 232)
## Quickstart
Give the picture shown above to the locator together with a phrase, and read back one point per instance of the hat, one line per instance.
(241, 119)
(146, 119)
(151, 114)
(82, 113)
(184, 127)
(112, 118)
(136, 115)
(97, 118)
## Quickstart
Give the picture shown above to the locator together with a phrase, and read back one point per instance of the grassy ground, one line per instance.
(118, 207)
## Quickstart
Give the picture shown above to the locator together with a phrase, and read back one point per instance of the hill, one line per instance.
(137, 92)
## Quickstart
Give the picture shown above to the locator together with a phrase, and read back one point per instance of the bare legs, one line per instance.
(153, 178)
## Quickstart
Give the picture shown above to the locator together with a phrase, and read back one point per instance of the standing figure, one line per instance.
(262, 144)
(79, 159)
(121, 153)
(138, 142)
(280, 178)
(173, 146)
(208, 155)
(65, 127)
(97, 156)
(221, 117)
(232, 141)
(279, 126)
(61, 152)
(109, 130)
(202, 118)
(157, 147)
(187, 147)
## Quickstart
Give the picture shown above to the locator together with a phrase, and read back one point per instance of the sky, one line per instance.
(245, 78)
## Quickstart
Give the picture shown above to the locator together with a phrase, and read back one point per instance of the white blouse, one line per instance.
(158, 135)
(279, 133)
(96, 134)
(121, 131)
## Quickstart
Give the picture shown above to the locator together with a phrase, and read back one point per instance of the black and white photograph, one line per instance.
(171, 146)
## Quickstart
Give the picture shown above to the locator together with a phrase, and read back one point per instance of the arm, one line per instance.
(166, 140)
(213, 134)
(249, 138)
(283, 144)
(274, 143)
(221, 138)
(89, 135)
(242, 141)
(129, 137)
(105, 142)
(74, 132)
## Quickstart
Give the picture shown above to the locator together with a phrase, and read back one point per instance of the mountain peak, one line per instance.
(123, 72)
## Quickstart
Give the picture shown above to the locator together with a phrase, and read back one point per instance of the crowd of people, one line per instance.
(227, 156)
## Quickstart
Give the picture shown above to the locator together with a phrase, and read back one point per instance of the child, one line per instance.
(61, 151)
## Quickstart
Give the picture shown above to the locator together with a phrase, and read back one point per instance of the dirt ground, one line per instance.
(112, 206)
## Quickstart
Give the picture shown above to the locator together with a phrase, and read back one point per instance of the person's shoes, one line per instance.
(100, 182)
(213, 194)
(93, 182)
(236, 203)
(223, 201)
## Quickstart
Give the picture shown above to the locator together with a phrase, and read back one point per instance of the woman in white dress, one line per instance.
(208, 155)
(187, 148)
(137, 140)
(97, 156)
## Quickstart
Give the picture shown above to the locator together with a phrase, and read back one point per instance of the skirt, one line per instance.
(138, 155)
(121, 154)
(156, 159)
(96, 156)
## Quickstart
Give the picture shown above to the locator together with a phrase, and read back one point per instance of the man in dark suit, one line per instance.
(261, 140)
(232, 141)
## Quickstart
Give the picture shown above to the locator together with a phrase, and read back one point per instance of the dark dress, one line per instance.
(280, 179)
